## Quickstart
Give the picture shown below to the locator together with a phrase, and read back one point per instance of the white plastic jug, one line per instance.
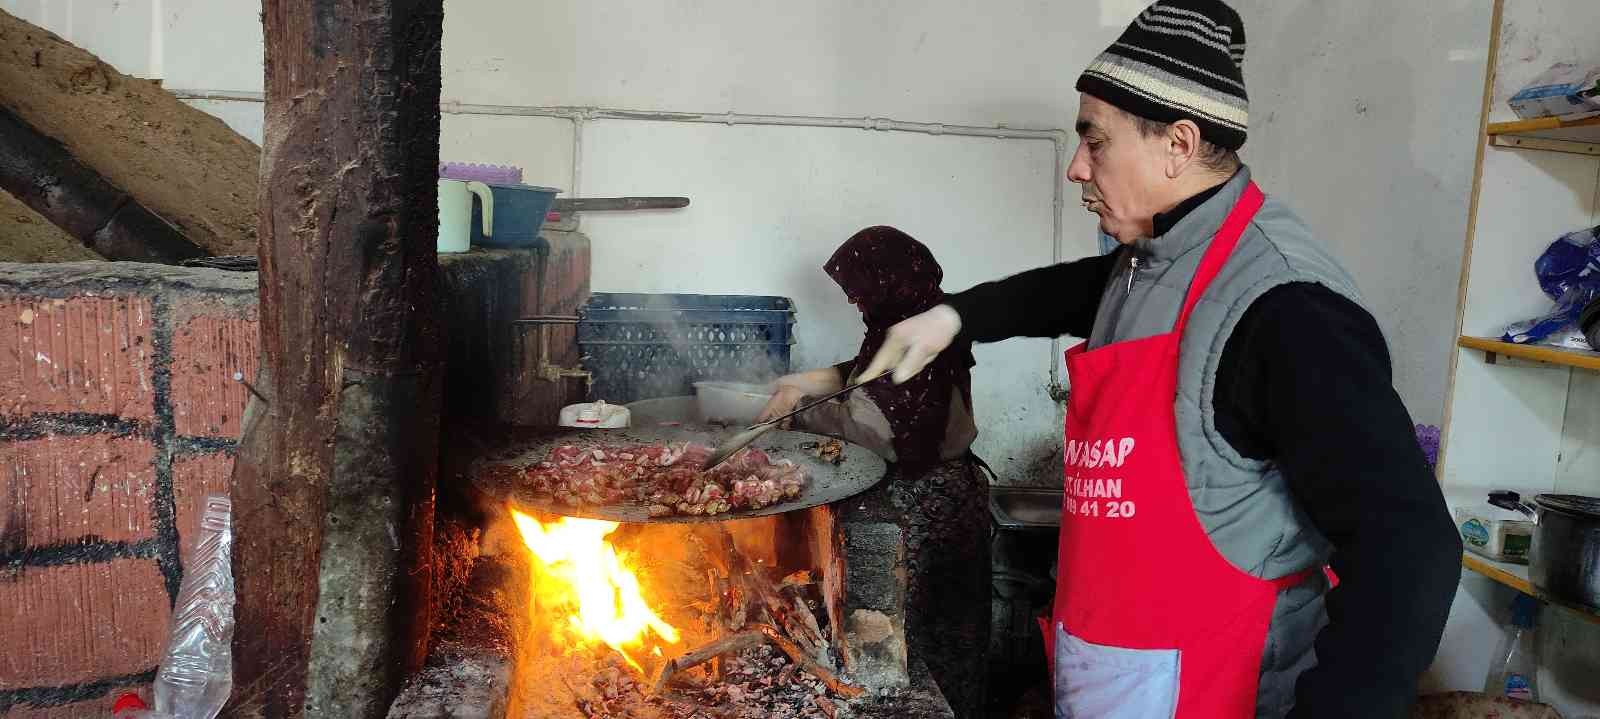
(455, 213)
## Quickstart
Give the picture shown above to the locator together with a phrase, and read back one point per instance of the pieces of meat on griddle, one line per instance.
(665, 478)
(694, 455)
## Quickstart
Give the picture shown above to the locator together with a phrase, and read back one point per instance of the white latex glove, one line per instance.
(914, 343)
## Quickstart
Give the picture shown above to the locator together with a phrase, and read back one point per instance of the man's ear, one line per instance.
(1183, 146)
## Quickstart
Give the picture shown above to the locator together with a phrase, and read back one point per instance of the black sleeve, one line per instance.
(1305, 380)
(1046, 302)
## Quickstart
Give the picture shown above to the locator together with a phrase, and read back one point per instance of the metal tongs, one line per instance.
(749, 434)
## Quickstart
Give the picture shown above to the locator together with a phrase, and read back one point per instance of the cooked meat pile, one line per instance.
(666, 478)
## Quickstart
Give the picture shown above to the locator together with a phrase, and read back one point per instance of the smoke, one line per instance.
(658, 345)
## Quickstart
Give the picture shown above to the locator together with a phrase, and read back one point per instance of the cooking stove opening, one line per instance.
(797, 611)
(712, 619)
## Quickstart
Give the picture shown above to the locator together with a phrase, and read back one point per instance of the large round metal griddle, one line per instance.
(825, 484)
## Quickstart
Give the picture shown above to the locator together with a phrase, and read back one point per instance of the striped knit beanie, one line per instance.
(1179, 59)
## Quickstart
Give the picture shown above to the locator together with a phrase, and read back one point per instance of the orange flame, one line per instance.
(585, 576)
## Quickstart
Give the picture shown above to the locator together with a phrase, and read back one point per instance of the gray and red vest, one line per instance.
(1243, 505)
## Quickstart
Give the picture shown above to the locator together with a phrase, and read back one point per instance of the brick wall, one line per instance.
(120, 404)
(118, 410)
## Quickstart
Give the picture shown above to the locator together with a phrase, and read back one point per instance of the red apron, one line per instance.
(1150, 620)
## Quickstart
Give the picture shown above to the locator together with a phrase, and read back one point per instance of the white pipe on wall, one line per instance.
(580, 115)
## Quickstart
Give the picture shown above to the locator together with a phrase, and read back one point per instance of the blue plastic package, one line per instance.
(1569, 273)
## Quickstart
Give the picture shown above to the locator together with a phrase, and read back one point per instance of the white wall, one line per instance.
(125, 33)
(1363, 119)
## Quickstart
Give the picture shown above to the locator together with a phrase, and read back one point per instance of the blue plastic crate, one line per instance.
(642, 346)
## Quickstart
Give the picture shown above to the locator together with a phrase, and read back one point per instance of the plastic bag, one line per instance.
(1569, 273)
(1428, 437)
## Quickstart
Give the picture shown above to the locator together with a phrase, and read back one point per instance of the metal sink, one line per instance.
(1025, 507)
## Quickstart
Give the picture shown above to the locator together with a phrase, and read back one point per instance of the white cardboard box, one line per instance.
(1493, 532)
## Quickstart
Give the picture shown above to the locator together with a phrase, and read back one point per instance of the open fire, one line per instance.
(654, 621)
(582, 574)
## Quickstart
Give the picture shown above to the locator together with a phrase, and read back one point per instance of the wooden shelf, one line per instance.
(1516, 577)
(1581, 359)
(1548, 133)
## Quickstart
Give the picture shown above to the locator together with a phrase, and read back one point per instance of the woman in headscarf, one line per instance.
(924, 429)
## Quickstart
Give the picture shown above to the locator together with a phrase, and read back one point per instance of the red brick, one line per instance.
(208, 350)
(81, 622)
(66, 488)
(192, 479)
(97, 707)
(80, 354)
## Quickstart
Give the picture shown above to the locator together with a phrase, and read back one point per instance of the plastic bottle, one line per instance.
(1514, 671)
(196, 673)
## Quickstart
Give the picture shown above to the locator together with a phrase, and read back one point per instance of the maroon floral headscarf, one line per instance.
(890, 276)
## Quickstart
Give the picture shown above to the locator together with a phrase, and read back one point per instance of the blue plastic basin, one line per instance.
(519, 212)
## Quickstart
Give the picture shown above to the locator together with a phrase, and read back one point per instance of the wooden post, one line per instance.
(333, 485)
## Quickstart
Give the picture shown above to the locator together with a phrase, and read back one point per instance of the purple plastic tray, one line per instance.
(471, 171)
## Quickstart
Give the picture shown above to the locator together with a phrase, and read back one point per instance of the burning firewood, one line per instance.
(796, 654)
(771, 662)
(802, 611)
(750, 638)
(791, 616)
(732, 643)
(826, 706)
(798, 624)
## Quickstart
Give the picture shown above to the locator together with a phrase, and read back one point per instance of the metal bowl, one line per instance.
(1025, 507)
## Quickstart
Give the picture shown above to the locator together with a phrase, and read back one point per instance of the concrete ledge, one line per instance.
(60, 279)
(475, 688)
(920, 700)
(471, 669)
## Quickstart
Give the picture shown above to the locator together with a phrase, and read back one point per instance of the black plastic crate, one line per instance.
(641, 346)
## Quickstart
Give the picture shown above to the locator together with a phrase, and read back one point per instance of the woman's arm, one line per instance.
(856, 420)
(792, 388)
(815, 382)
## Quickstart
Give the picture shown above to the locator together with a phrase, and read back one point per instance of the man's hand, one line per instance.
(914, 343)
(782, 402)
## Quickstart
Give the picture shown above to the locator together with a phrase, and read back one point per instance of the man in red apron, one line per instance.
(1232, 428)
